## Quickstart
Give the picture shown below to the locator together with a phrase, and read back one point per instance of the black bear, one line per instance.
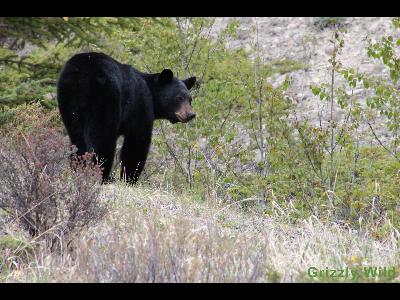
(100, 99)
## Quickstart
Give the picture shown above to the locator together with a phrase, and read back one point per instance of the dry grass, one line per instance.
(153, 236)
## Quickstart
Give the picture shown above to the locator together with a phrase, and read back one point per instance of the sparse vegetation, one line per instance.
(158, 236)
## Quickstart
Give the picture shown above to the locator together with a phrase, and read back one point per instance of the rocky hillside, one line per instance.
(299, 39)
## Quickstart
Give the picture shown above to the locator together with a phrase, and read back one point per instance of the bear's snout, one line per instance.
(185, 113)
(191, 116)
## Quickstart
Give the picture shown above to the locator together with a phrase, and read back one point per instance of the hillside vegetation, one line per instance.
(153, 235)
(248, 192)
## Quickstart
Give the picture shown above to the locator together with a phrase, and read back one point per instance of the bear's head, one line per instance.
(173, 100)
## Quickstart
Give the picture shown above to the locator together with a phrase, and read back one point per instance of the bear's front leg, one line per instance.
(134, 153)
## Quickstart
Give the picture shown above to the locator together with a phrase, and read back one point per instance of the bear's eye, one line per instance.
(179, 98)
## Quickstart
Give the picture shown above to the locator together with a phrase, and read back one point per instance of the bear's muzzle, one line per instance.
(185, 113)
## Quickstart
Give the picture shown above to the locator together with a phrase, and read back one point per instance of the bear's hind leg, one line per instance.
(102, 140)
(134, 153)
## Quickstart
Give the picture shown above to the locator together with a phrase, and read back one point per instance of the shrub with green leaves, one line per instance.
(215, 153)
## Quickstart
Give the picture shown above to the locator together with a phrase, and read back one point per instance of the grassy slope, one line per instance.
(150, 235)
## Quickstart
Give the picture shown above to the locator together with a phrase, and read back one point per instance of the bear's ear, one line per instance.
(189, 82)
(165, 76)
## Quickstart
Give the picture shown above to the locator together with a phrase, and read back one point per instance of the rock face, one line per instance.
(298, 39)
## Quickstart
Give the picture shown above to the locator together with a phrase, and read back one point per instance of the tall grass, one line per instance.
(157, 236)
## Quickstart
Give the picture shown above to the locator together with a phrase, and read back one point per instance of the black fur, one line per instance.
(100, 99)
